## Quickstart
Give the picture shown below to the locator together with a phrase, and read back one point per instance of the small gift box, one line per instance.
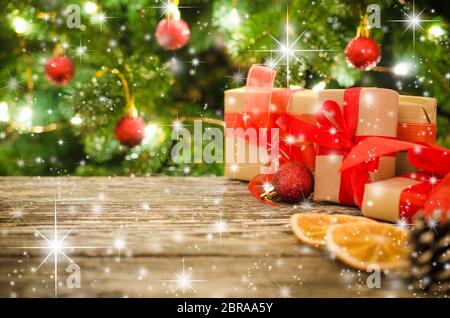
(401, 197)
(257, 106)
(394, 199)
(416, 123)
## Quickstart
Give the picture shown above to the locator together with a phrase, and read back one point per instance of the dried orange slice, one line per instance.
(360, 245)
(312, 228)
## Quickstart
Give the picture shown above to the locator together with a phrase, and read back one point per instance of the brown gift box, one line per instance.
(377, 116)
(416, 123)
(382, 199)
(303, 105)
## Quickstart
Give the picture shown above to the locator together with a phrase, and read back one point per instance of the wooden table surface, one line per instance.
(162, 237)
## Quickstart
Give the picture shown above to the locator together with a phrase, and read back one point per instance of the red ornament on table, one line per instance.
(172, 34)
(130, 130)
(293, 183)
(59, 70)
(362, 51)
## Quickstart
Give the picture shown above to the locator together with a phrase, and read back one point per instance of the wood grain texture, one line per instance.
(230, 244)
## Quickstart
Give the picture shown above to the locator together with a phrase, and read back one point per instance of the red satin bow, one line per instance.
(335, 135)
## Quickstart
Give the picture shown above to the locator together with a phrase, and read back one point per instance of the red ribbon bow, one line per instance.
(335, 135)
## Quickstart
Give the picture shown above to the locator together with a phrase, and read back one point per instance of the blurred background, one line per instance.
(96, 87)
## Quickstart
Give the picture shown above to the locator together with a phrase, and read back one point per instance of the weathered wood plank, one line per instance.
(237, 246)
(212, 276)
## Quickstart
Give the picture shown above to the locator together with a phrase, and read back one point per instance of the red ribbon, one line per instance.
(335, 135)
(263, 107)
(434, 191)
(417, 132)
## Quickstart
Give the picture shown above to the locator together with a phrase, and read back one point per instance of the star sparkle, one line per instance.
(55, 246)
(403, 225)
(238, 77)
(101, 18)
(81, 50)
(284, 291)
(184, 280)
(432, 224)
(169, 7)
(413, 21)
(288, 51)
(119, 244)
(220, 227)
(12, 84)
(195, 62)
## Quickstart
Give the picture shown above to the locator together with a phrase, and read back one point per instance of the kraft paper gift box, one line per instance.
(302, 105)
(376, 116)
(416, 123)
(400, 198)
(385, 200)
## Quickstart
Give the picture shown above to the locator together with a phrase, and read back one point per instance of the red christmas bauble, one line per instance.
(59, 70)
(363, 53)
(293, 182)
(172, 34)
(130, 130)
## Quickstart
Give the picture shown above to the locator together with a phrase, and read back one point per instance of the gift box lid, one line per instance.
(304, 101)
(235, 99)
(417, 109)
(377, 113)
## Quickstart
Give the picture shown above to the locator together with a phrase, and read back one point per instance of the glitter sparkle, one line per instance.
(55, 246)
(287, 51)
(412, 21)
(184, 280)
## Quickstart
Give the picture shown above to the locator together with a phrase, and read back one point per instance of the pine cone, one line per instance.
(430, 257)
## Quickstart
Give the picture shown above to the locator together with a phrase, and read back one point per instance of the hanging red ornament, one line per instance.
(293, 182)
(130, 130)
(59, 70)
(362, 51)
(172, 34)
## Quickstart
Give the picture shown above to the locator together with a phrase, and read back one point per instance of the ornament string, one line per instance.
(28, 75)
(363, 29)
(59, 49)
(130, 108)
(208, 120)
(172, 10)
